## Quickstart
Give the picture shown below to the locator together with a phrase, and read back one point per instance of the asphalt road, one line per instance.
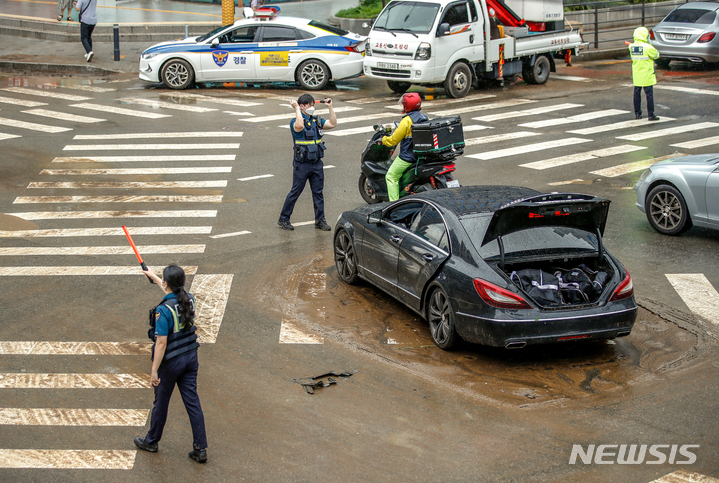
(275, 309)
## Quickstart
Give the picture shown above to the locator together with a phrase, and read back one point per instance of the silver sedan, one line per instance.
(689, 33)
(681, 192)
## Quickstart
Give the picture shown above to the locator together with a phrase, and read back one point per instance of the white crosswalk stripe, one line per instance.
(32, 126)
(133, 159)
(36, 271)
(21, 102)
(26, 348)
(573, 119)
(165, 105)
(76, 215)
(618, 126)
(622, 169)
(123, 250)
(120, 110)
(73, 417)
(159, 135)
(136, 171)
(572, 78)
(67, 459)
(349, 132)
(499, 138)
(698, 293)
(688, 90)
(669, 131)
(682, 476)
(217, 100)
(481, 107)
(87, 232)
(8, 136)
(63, 116)
(129, 184)
(290, 115)
(698, 143)
(578, 157)
(528, 148)
(154, 147)
(526, 112)
(46, 93)
(89, 88)
(24, 380)
(119, 199)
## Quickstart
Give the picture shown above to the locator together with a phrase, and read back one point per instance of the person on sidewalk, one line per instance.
(88, 20)
(308, 151)
(643, 55)
(63, 5)
(174, 361)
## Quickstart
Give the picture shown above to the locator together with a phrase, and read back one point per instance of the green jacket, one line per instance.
(643, 56)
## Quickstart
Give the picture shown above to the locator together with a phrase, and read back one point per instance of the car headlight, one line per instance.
(368, 49)
(424, 51)
(149, 56)
(645, 174)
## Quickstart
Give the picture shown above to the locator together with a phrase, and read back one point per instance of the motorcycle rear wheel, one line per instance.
(366, 191)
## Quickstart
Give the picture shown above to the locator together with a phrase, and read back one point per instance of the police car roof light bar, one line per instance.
(266, 13)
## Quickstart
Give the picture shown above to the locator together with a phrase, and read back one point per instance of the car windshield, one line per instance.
(691, 15)
(541, 241)
(410, 16)
(329, 28)
(202, 38)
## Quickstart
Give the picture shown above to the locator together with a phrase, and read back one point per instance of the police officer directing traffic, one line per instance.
(174, 360)
(308, 151)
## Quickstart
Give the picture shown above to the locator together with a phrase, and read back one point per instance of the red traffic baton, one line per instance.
(137, 254)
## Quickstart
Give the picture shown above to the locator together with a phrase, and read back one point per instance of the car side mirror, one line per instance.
(375, 217)
(443, 29)
(367, 25)
(215, 41)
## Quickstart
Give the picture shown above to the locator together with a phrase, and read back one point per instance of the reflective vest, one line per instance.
(643, 55)
(309, 148)
(179, 340)
(406, 146)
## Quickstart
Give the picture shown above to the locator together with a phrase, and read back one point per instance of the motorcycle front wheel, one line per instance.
(366, 191)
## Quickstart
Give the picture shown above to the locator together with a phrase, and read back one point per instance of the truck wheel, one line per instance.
(398, 87)
(313, 75)
(540, 70)
(368, 195)
(177, 74)
(459, 80)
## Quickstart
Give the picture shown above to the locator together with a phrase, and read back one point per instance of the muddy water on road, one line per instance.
(311, 297)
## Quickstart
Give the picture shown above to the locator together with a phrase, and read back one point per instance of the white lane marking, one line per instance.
(136, 171)
(366, 117)
(328, 166)
(67, 459)
(26, 380)
(129, 184)
(499, 138)
(162, 135)
(617, 126)
(698, 143)
(32, 126)
(211, 293)
(119, 199)
(571, 78)
(73, 417)
(688, 90)
(475, 127)
(153, 159)
(218, 100)
(83, 232)
(46, 93)
(669, 131)
(128, 147)
(632, 167)
(51, 348)
(21, 102)
(63, 115)
(529, 148)
(88, 88)
(288, 116)
(440, 102)
(575, 158)
(256, 177)
(349, 132)
(572, 119)
(53, 251)
(69, 271)
(682, 476)
(482, 107)
(237, 233)
(235, 113)
(526, 112)
(8, 136)
(303, 223)
(75, 215)
(120, 110)
(698, 293)
(165, 105)
(571, 181)
(290, 334)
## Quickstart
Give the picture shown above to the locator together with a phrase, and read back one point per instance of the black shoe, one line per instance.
(285, 225)
(637, 116)
(322, 225)
(140, 443)
(199, 455)
(653, 118)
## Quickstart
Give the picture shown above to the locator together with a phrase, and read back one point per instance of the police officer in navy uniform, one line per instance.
(307, 164)
(174, 360)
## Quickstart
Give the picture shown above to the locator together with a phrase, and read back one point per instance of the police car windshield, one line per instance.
(408, 16)
(202, 38)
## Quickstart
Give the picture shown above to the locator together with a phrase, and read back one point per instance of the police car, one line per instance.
(265, 47)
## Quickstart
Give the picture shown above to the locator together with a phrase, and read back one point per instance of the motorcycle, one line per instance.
(428, 173)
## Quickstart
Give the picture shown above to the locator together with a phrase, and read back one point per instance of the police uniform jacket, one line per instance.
(643, 55)
(308, 145)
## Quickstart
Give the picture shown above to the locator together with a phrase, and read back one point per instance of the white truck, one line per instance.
(455, 43)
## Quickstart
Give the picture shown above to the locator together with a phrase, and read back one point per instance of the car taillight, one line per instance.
(707, 37)
(651, 34)
(499, 297)
(625, 289)
(353, 48)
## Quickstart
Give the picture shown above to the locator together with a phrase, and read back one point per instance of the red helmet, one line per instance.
(410, 102)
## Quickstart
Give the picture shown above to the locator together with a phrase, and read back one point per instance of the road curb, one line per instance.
(55, 68)
(589, 55)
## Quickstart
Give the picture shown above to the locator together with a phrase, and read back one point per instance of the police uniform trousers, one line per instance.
(649, 92)
(180, 370)
(303, 172)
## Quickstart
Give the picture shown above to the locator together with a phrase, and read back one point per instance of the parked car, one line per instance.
(497, 265)
(681, 192)
(263, 48)
(690, 33)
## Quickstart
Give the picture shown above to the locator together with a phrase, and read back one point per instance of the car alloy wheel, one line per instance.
(345, 260)
(441, 320)
(667, 211)
(313, 75)
(177, 74)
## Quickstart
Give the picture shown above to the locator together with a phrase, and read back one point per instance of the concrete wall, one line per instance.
(624, 16)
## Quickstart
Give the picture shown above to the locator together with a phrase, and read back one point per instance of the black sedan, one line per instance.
(497, 265)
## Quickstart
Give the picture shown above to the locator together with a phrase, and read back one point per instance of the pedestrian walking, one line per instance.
(643, 55)
(174, 361)
(63, 5)
(88, 20)
(307, 163)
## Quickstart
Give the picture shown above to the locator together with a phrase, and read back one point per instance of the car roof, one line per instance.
(292, 21)
(700, 5)
(469, 200)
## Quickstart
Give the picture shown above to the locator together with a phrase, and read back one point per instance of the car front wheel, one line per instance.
(459, 80)
(177, 74)
(667, 211)
(345, 259)
(441, 320)
(313, 75)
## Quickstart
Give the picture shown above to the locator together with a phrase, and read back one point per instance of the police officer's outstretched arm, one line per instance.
(332, 121)
(299, 123)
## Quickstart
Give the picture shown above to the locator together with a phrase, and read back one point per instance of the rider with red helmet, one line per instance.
(411, 105)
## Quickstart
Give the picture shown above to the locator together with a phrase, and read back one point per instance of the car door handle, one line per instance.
(296, 51)
(395, 238)
(427, 257)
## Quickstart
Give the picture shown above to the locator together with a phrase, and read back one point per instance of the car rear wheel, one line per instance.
(366, 191)
(441, 320)
(177, 74)
(667, 211)
(539, 72)
(398, 87)
(345, 259)
(313, 75)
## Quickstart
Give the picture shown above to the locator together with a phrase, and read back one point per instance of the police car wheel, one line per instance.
(177, 74)
(459, 80)
(313, 75)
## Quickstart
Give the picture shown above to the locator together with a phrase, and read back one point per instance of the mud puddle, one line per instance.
(313, 299)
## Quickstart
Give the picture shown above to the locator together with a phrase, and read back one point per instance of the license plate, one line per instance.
(675, 36)
(383, 65)
(452, 183)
